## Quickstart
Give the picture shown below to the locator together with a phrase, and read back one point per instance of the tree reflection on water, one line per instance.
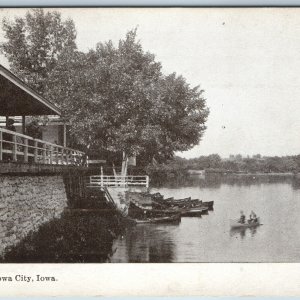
(146, 243)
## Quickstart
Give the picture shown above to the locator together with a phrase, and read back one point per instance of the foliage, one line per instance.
(116, 97)
(34, 44)
(174, 168)
(235, 164)
(33, 129)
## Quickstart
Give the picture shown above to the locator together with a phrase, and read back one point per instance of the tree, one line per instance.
(34, 44)
(116, 97)
(121, 101)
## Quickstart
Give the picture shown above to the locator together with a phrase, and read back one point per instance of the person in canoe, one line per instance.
(252, 217)
(242, 218)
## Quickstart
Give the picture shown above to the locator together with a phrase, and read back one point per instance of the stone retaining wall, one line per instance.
(26, 202)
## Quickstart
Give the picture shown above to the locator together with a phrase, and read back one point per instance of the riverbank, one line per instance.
(76, 237)
(259, 174)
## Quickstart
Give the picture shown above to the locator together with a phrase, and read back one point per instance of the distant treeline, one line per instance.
(213, 163)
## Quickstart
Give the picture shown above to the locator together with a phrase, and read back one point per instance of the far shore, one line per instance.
(266, 174)
(209, 172)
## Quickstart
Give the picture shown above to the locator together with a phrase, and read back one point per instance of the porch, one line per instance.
(18, 147)
(17, 100)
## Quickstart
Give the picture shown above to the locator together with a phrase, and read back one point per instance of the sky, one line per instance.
(246, 59)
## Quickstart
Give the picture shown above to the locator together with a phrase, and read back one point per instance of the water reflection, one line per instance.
(145, 243)
(296, 183)
(210, 238)
(241, 232)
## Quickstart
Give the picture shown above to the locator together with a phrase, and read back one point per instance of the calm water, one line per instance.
(209, 238)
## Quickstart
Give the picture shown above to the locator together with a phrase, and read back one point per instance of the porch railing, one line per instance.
(19, 147)
(123, 181)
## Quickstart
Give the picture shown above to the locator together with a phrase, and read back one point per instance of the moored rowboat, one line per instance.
(167, 219)
(193, 212)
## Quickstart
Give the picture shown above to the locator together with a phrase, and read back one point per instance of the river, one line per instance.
(276, 199)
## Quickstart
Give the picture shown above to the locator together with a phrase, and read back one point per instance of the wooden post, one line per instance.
(44, 153)
(67, 157)
(101, 176)
(57, 155)
(114, 170)
(65, 135)
(14, 152)
(1, 145)
(25, 150)
(23, 124)
(124, 165)
(35, 151)
(63, 159)
(50, 154)
(147, 181)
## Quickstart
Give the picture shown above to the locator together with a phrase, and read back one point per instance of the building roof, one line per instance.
(18, 99)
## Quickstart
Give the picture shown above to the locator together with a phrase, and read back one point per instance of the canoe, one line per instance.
(236, 224)
(169, 219)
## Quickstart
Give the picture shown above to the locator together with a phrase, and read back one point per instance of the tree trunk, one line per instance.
(124, 164)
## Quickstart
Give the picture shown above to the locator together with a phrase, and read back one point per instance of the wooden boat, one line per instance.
(141, 212)
(193, 212)
(167, 219)
(171, 199)
(236, 224)
(196, 201)
(182, 200)
(209, 204)
(205, 210)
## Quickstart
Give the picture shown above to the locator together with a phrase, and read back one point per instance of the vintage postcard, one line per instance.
(136, 140)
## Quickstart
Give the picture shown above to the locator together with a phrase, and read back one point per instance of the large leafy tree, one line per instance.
(34, 44)
(116, 97)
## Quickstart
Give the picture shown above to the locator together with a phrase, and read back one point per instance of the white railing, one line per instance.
(19, 147)
(123, 181)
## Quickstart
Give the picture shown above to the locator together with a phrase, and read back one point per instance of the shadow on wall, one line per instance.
(79, 237)
(27, 202)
